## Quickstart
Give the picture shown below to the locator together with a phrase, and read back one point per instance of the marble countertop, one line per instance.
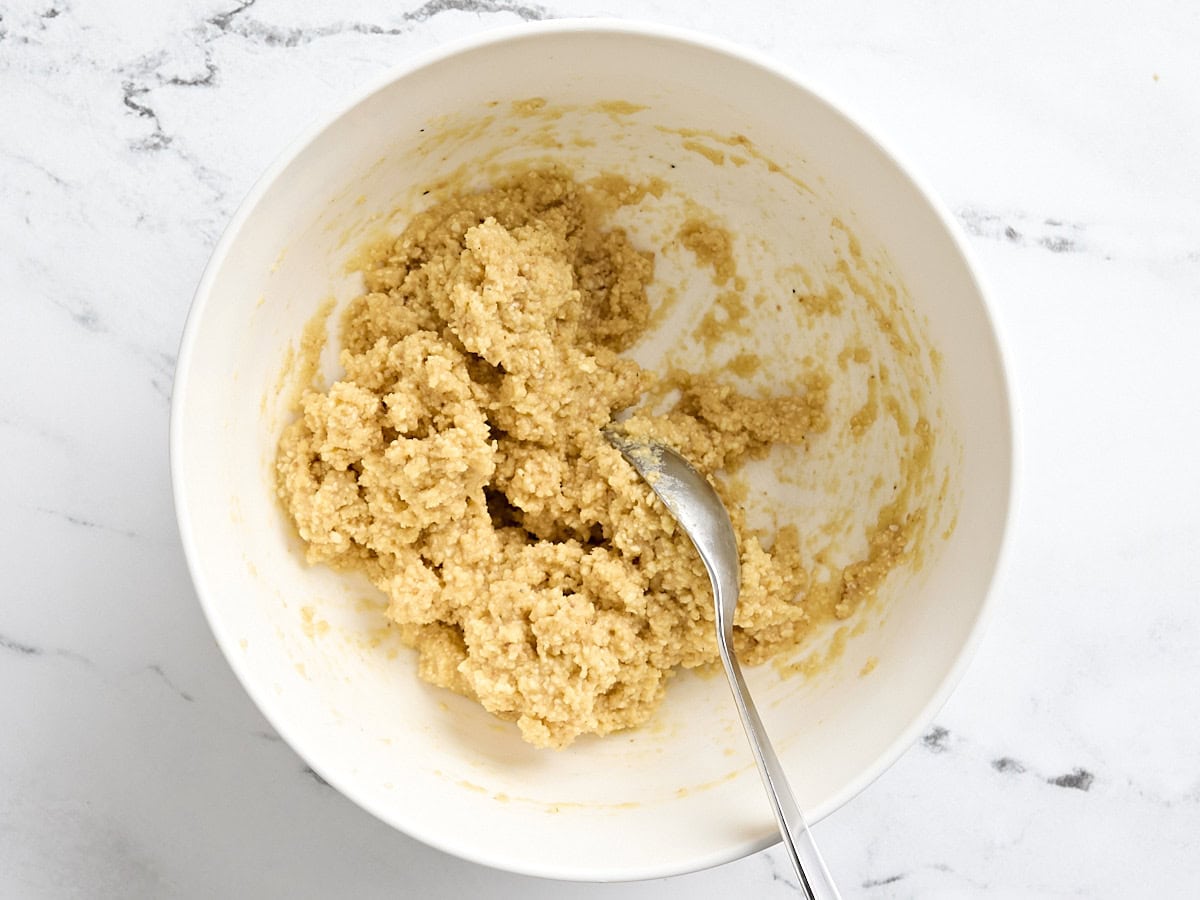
(1065, 138)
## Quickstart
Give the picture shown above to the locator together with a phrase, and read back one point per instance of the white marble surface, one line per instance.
(1066, 138)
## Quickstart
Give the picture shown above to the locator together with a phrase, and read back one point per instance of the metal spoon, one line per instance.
(695, 505)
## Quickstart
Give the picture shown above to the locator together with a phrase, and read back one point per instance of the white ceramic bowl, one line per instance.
(680, 794)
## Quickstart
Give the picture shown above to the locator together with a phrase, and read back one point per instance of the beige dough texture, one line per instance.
(459, 463)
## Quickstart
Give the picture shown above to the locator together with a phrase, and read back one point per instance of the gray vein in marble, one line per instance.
(28, 426)
(85, 523)
(267, 736)
(208, 79)
(222, 20)
(1170, 802)
(881, 882)
(21, 648)
(312, 773)
(139, 80)
(935, 739)
(65, 832)
(233, 22)
(158, 670)
(163, 366)
(1080, 780)
(132, 98)
(38, 167)
(1022, 230)
(82, 313)
(132, 91)
(1008, 764)
(780, 875)
(15, 646)
(529, 13)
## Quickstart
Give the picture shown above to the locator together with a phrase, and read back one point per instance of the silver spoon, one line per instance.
(689, 497)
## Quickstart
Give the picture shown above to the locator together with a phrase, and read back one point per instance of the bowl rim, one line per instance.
(819, 93)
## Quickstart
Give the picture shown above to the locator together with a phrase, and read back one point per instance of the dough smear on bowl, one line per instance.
(459, 462)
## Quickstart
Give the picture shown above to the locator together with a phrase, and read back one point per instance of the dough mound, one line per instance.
(460, 463)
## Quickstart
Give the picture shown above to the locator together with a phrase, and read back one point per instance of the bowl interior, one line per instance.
(310, 645)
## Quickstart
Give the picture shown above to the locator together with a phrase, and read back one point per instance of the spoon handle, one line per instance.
(814, 877)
